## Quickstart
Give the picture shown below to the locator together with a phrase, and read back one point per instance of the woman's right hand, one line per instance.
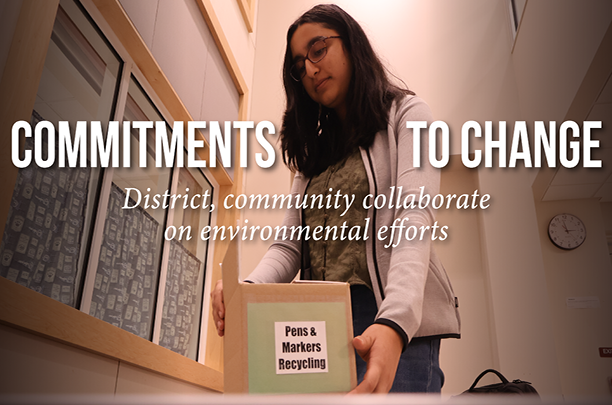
(218, 307)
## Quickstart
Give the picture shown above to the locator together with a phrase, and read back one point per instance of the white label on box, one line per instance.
(301, 347)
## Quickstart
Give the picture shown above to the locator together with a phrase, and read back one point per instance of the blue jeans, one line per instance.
(418, 369)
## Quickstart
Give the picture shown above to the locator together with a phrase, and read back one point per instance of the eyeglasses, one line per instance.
(315, 54)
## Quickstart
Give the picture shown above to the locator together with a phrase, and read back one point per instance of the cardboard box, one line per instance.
(286, 338)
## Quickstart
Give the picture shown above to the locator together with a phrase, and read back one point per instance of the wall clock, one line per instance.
(566, 231)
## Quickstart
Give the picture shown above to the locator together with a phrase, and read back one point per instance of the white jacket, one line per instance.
(412, 289)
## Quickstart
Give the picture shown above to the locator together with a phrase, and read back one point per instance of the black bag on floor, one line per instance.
(505, 387)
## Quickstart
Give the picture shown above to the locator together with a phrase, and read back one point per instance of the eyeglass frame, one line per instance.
(308, 58)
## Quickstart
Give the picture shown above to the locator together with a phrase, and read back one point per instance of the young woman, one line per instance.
(344, 129)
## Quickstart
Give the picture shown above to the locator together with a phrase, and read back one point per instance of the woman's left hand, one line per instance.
(380, 346)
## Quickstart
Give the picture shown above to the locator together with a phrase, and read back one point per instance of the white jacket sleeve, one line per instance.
(409, 260)
(282, 261)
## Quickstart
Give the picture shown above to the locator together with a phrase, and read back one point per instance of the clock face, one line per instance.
(566, 231)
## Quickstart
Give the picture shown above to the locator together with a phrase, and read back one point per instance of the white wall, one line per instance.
(556, 42)
(462, 360)
(523, 332)
(583, 272)
(554, 49)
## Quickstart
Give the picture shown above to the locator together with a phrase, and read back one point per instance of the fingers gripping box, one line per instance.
(286, 338)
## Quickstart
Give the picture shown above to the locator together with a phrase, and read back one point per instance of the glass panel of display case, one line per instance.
(48, 229)
(183, 298)
(126, 282)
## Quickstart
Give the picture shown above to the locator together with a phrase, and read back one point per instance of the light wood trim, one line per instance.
(23, 308)
(122, 26)
(224, 48)
(247, 9)
(19, 84)
(214, 344)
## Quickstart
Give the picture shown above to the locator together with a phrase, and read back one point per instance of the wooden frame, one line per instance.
(34, 312)
(27, 310)
(247, 8)
(19, 83)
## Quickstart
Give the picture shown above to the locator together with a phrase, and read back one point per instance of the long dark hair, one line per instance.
(312, 136)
